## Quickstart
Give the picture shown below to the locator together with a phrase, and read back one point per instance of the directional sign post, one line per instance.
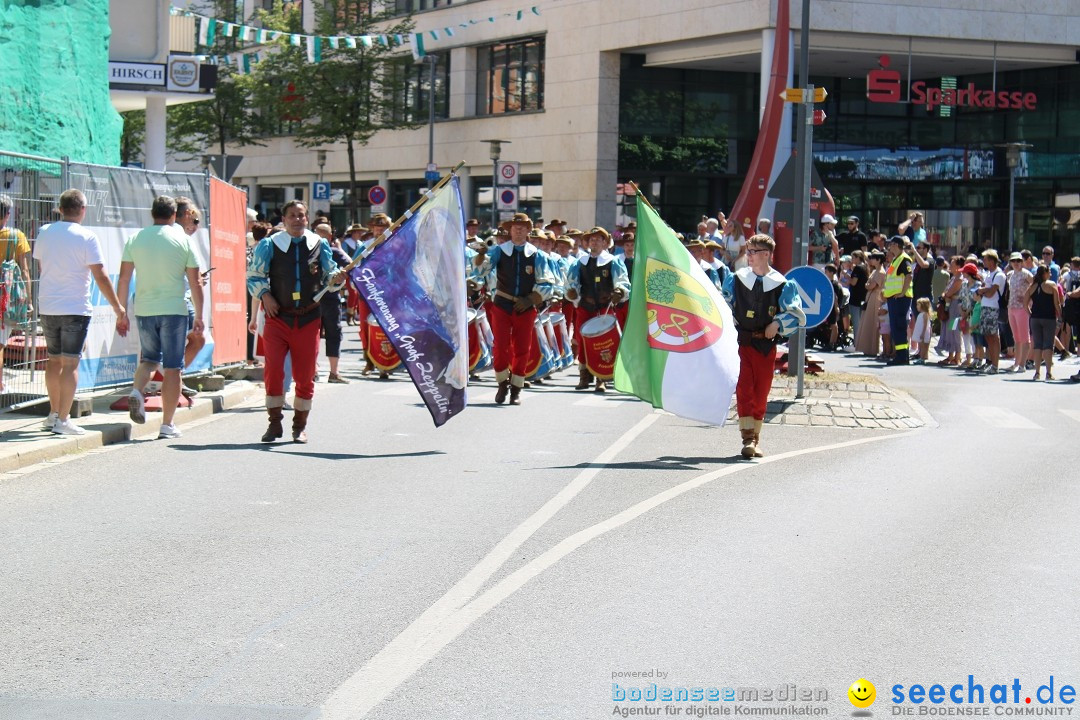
(816, 293)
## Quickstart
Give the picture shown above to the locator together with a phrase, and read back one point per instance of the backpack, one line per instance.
(14, 295)
(1003, 298)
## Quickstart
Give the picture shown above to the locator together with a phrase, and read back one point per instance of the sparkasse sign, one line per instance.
(884, 86)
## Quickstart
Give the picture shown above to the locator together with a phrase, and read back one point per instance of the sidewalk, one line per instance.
(23, 442)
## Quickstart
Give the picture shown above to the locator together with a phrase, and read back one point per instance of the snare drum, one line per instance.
(600, 341)
(381, 353)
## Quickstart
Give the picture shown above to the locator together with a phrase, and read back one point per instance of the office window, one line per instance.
(412, 89)
(510, 77)
(404, 7)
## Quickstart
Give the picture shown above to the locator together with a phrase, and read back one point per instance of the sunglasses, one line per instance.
(756, 251)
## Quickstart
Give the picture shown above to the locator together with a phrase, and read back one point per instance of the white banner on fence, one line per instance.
(118, 206)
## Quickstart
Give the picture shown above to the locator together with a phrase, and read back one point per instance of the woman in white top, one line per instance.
(734, 245)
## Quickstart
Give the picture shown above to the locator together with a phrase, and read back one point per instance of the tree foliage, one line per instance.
(348, 95)
(134, 136)
(663, 284)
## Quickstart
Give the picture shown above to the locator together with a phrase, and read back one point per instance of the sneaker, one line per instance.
(66, 427)
(337, 379)
(188, 392)
(50, 421)
(137, 407)
(168, 432)
(991, 370)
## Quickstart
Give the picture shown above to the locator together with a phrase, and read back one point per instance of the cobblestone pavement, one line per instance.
(844, 401)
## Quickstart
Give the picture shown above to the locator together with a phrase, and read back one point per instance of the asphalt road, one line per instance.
(516, 562)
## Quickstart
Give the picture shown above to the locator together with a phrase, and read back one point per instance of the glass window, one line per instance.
(413, 87)
(404, 7)
(510, 77)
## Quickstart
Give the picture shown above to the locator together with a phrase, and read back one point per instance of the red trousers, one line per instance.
(755, 380)
(280, 338)
(514, 334)
(581, 316)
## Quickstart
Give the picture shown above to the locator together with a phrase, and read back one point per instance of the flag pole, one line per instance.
(370, 247)
(637, 192)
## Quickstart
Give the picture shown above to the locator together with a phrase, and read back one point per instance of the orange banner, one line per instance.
(228, 257)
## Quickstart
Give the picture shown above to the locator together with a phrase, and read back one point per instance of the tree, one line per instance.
(348, 95)
(134, 136)
(231, 116)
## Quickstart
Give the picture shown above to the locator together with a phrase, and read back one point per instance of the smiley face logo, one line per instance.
(862, 693)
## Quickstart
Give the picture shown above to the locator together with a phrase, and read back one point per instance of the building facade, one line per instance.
(925, 96)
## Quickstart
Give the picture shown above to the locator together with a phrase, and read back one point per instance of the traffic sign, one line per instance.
(431, 176)
(508, 198)
(819, 117)
(798, 95)
(376, 195)
(508, 172)
(816, 293)
(320, 190)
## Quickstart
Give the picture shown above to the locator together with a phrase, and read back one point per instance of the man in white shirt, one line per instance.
(68, 254)
(990, 294)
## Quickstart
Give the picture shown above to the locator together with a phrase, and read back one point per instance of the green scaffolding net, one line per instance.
(54, 80)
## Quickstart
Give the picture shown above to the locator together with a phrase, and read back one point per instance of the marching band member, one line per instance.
(523, 279)
(286, 271)
(766, 306)
(376, 225)
(595, 284)
(718, 266)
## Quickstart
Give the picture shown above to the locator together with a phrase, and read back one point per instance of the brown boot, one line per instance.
(749, 446)
(274, 431)
(515, 395)
(601, 386)
(757, 439)
(585, 379)
(299, 423)
(500, 394)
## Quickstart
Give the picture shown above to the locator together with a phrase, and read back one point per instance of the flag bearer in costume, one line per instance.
(766, 306)
(287, 270)
(596, 284)
(523, 279)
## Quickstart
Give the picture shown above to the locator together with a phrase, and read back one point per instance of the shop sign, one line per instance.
(884, 86)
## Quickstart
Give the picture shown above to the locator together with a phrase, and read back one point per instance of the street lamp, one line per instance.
(495, 149)
(431, 61)
(320, 158)
(1012, 159)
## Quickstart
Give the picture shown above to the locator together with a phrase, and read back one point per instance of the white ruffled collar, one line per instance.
(283, 240)
(748, 277)
(508, 248)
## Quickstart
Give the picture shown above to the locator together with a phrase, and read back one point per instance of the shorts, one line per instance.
(1042, 333)
(65, 335)
(988, 324)
(162, 339)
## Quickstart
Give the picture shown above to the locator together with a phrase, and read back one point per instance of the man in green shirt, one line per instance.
(161, 256)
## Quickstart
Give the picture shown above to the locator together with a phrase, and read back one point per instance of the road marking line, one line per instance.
(403, 655)
(400, 659)
(1072, 414)
(1002, 418)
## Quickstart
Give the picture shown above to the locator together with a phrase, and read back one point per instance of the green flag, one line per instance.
(679, 350)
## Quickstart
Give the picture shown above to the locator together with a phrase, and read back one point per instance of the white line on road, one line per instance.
(405, 654)
(1072, 414)
(431, 632)
(1002, 418)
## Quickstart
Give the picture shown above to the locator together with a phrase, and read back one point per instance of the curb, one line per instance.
(52, 447)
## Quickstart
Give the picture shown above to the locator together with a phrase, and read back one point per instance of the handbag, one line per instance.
(14, 295)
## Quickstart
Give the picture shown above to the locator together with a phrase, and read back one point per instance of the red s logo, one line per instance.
(883, 86)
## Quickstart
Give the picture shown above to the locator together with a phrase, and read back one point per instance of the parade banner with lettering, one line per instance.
(679, 331)
(228, 250)
(414, 283)
(118, 206)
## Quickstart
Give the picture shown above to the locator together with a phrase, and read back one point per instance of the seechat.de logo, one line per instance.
(883, 85)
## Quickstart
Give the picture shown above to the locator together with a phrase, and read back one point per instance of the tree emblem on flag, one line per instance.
(681, 316)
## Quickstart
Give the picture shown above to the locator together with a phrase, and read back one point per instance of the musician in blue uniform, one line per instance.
(597, 284)
(766, 307)
(522, 279)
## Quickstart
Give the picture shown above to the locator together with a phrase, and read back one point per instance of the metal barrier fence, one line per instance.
(118, 206)
(31, 186)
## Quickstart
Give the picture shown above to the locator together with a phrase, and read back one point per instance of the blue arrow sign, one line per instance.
(816, 293)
